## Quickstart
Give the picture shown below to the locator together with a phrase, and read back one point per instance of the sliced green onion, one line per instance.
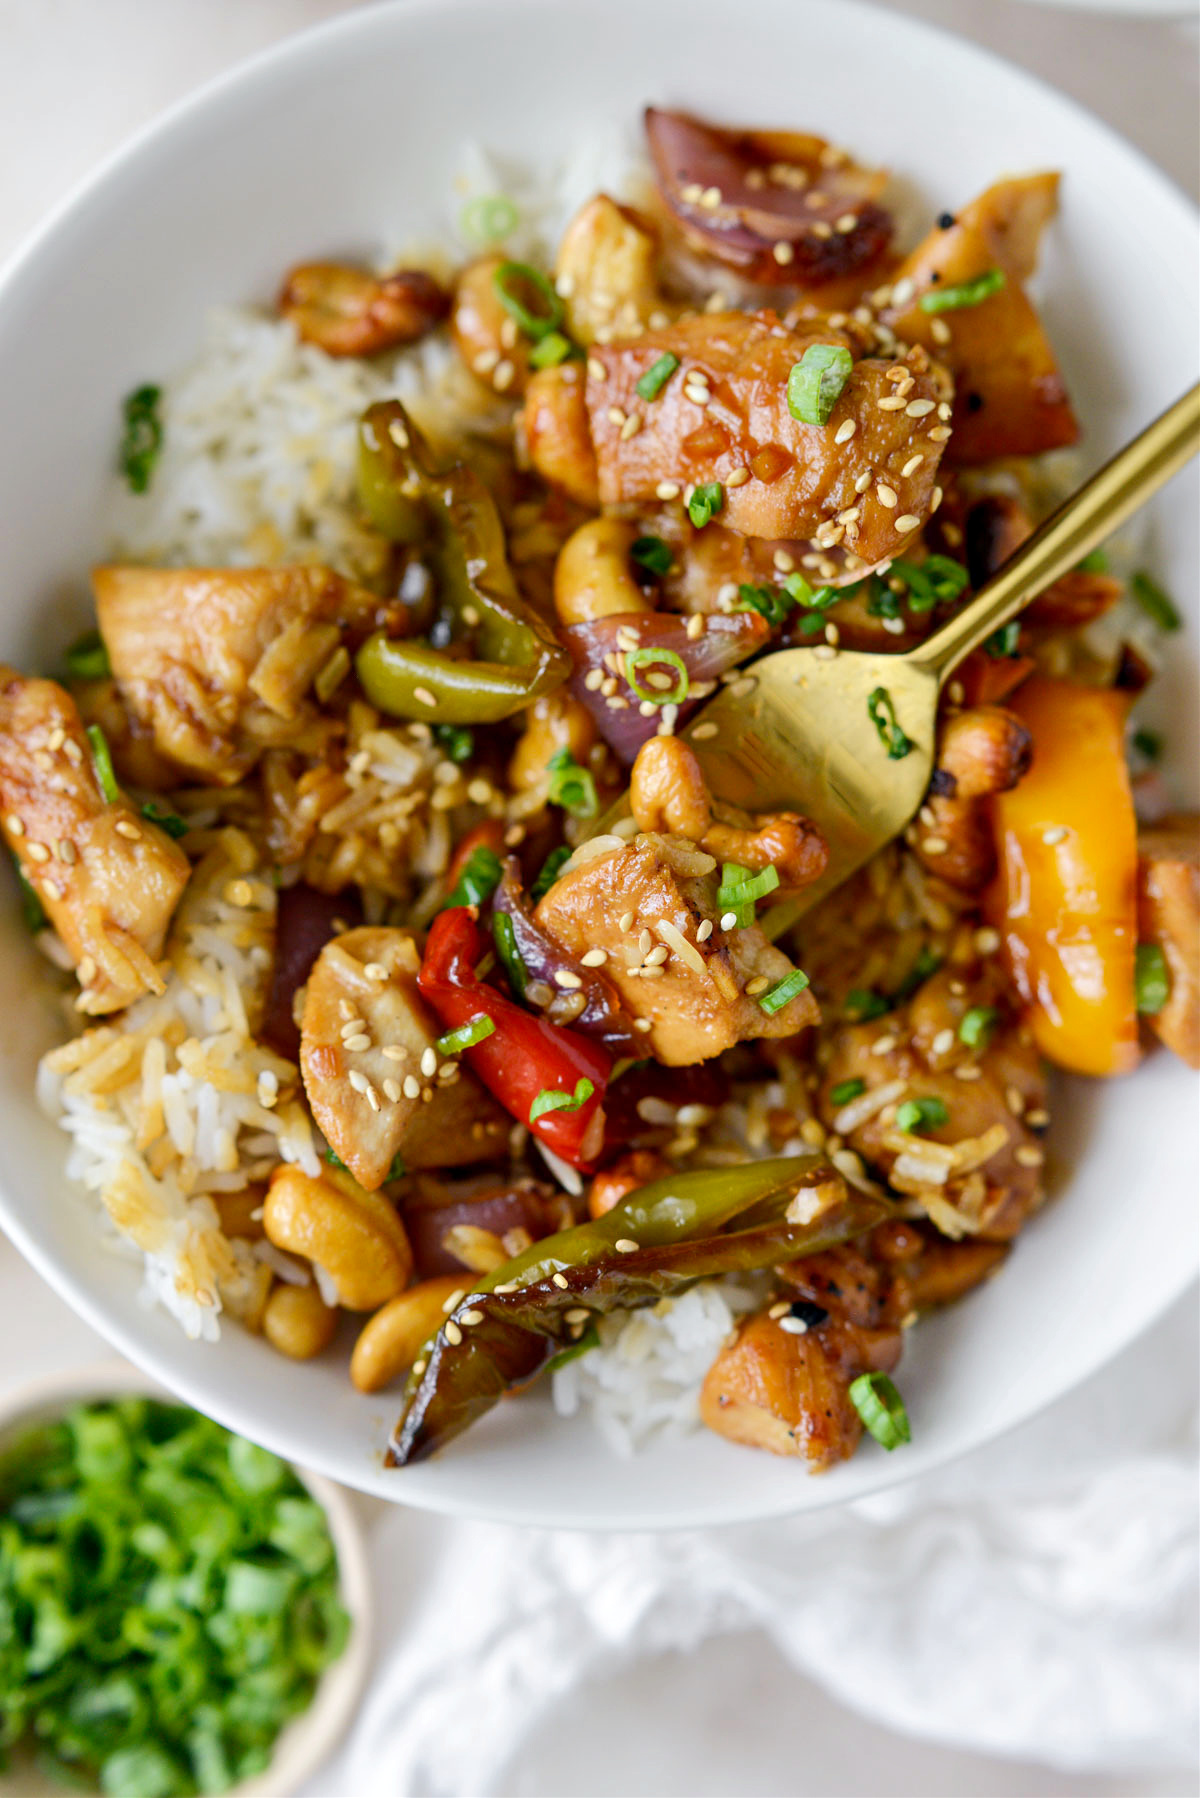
(920, 1114)
(87, 658)
(477, 880)
(1156, 604)
(705, 503)
(1096, 563)
(550, 350)
(928, 962)
(550, 870)
(143, 435)
(878, 1403)
(650, 657)
(571, 786)
(771, 603)
(551, 1100)
(966, 293)
(507, 281)
(1151, 981)
(781, 994)
(1004, 642)
(489, 218)
(862, 1003)
(734, 876)
(466, 1036)
(882, 714)
(102, 757)
(936, 579)
(335, 1160)
(656, 376)
(397, 1170)
(456, 741)
(652, 554)
(976, 1026)
(846, 1090)
(511, 960)
(1149, 744)
(816, 381)
(171, 822)
(744, 888)
(818, 598)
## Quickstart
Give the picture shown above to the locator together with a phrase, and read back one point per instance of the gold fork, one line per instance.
(821, 732)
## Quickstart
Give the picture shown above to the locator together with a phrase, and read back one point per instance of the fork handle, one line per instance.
(1083, 522)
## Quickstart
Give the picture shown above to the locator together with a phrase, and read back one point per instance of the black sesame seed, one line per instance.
(974, 402)
(945, 221)
(809, 1314)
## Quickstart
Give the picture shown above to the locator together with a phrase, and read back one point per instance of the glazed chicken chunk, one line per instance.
(865, 480)
(108, 878)
(373, 1077)
(1169, 915)
(217, 663)
(650, 909)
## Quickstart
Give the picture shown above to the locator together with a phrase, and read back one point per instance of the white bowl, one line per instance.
(345, 139)
(308, 1740)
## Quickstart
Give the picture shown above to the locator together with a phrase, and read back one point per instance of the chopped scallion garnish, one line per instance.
(466, 1036)
(862, 1003)
(656, 376)
(650, 657)
(652, 554)
(571, 786)
(143, 436)
(1004, 642)
(477, 880)
(882, 714)
(877, 1401)
(931, 582)
(705, 503)
(928, 962)
(335, 1160)
(551, 1100)
(1096, 563)
(515, 283)
(550, 350)
(102, 758)
(781, 994)
(976, 1025)
(550, 871)
(488, 219)
(511, 960)
(1149, 744)
(964, 293)
(740, 888)
(1156, 604)
(816, 381)
(920, 1114)
(771, 603)
(846, 1090)
(171, 822)
(397, 1170)
(87, 658)
(1151, 981)
(456, 741)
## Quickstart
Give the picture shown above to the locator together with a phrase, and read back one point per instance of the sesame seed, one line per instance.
(485, 362)
(596, 369)
(595, 958)
(793, 1326)
(569, 982)
(692, 194)
(667, 490)
(72, 751)
(851, 515)
(918, 408)
(695, 626)
(861, 485)
(893, 403)
(38, 852)
(945, 412)
(657, 956)
(783, 253)
(625, 921)
(907, 521)
(15, 826)
(935, 499)
(559, 1280)
(940, 433)
(425, 696)
(578, 1314)
(820, 228)
(429, 1062)
(649, 972)
(738, 478)
(391, 1090)
(1015, 1100)
(394, 1052)
(935, 846)
(728, 920)
(893, 626)
(360, 1040)
(615, 415)
(912, 465)
(504, 375)
(358, 1081)
(846, 223)
(1029, 1155)
(643, 1026)
(710, 199)
(968, 1072)
(783, 561)
(1058, 833)
(883, 1045)
(412, 1087)
(956, 692)
(470, 1317)
(1037, 1120)
(455, 1299)
(987, 941)
(886, 495)
(743, 686)
(704, 930)
(759, 984)
(452, 1332)
(825, 652)
(781, 1309)
(845, 431)
(631, 427)
(943, 1042)
(703, 731)
(86, 971)
(125, 827)
(625, 1245)
(593, 679)
(66, 851)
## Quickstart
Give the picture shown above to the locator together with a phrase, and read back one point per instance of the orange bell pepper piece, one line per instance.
(1065, 896)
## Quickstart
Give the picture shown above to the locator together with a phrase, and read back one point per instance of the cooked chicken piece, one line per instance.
(134, 756)
(371, 1071)
(723, 417)
(789, 1393)
(108, 879)
(979, 1171)
(554, 426)
(348, 311)
(979, 752)
(1010, 398)
(645, 905)
(1169, 915)
(217, 662)
(922, 1270)
(606, 271)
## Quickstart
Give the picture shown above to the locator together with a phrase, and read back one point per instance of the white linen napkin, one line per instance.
(1036, 1600)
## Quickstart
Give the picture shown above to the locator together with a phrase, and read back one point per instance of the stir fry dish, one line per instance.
(382, 1008)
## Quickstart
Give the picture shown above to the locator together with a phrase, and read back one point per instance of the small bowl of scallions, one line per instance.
(181, 1612)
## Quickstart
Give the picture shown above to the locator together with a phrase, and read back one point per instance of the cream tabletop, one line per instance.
(76, 77)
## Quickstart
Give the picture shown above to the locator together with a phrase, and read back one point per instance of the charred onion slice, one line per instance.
(778, 206)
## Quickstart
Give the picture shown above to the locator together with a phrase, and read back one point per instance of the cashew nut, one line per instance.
(554, 722)
(606, 271)
(667, 794)
(391, 1340)
(489, 340)
(350, 312)
(592, 577)
(354, 1235)
(298, 1322)
(981, 751)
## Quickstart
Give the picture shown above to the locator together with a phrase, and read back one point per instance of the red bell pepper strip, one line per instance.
(524, 1056)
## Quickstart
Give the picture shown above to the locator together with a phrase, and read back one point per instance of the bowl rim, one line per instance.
(265, 63)
(307, 1741)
